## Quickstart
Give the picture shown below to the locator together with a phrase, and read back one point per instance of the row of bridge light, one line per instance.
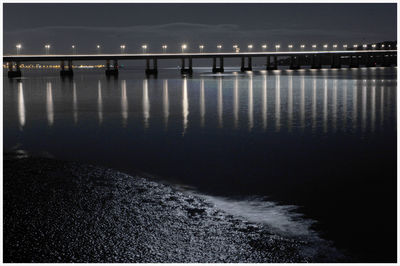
(219, 47)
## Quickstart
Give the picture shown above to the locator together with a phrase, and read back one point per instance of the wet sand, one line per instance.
(57, 211)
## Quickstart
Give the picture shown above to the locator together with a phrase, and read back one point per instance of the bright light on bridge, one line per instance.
(325, 46)
(303, 46)
(184, 46)
(314, 46)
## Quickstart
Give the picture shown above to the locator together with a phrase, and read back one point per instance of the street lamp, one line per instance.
(164, 47)
(365, 46)
(144, 48)
(18, 46)
(314, 46)
(219, 47)
(325, 46)
(184, 46)
(264, 46)
(98, 48)
(123, 46)
(345, 46)
(201, 47)
(250, 46)
(277, 46)
(355, 45)
(47, 48)
(334, 46)
(302, 46)
(373, 46)
(73, 49)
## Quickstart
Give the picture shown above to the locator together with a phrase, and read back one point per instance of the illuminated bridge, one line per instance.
(294, 59)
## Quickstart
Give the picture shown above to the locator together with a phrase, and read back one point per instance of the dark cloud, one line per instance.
(294, 25)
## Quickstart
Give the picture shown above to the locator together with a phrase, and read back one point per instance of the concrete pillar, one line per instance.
(353, 61)
(219, 69)
(336, 62)
(188, 70)
(151, 71)
(70, 65)
(316, 62)
(114, 70)
(62, 66)
(14, 73)
(275, 62)
(249, 66)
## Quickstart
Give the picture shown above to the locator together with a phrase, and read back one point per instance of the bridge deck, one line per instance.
(86, 57)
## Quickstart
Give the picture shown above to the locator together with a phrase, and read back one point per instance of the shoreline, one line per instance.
(56, 211)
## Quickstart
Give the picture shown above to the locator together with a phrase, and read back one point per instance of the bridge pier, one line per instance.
(249, 65)
(151, 71)
(386, 62)
(316, 62)
(370, 60)
(188, 70)
(336, 61)
(66, 72)
(354, 63)
(112, 71)
(219, 69)
(269, 66)
(14, 73)
(294, 62)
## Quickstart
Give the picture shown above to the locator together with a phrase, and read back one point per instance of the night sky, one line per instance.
(86, 25)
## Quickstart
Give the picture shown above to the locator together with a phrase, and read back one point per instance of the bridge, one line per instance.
(295, 60)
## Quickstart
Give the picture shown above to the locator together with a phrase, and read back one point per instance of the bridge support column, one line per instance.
(66, 72)
(14, 73)
(294, 62)
(269, 66)
(316, 62)
(114, 70)
(370, 60)
(188, 70)
(249, 65)
(151, 71)
(336, 62)
(219, 69)
(386, 60)
(354, 61)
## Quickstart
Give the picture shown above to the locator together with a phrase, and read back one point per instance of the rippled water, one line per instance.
(322, 142)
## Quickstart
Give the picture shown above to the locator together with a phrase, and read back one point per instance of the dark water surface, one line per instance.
(284, 148)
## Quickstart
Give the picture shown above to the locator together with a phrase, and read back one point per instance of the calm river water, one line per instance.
(302, 150)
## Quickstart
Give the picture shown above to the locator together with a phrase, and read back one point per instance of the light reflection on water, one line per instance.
(300, 98)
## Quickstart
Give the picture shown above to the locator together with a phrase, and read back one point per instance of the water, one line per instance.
(305, 151)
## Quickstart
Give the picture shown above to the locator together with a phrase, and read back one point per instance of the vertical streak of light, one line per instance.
(277, 103)
(314, 104)
(344, 105)
(264, 106)
(21, 105)
(165, 102)
(236, 103)
(373, 107)
(202, 103)
(363, 108)
(334, 105)
(185, 105)
(290, 102)
(49, 104)
(146, 104)
(250, 107)
(220, 104)
(99, 103)
(325, 106)
(355, 105)
(124, 103)
(302, 103)
(74, 103)
(382, 111)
